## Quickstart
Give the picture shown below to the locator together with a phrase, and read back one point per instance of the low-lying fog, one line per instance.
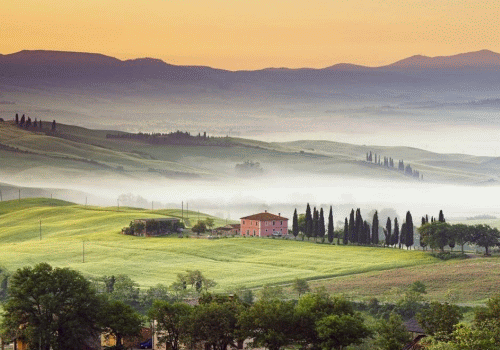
(232, 200)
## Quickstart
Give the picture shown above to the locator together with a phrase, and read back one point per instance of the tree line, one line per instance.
(27, 123)
(174, 138)
(434, 233)
(388, 162)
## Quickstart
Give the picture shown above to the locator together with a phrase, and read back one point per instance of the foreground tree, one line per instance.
(439, 319)
(169, 320)
(120, 319)
(52, 308)
(339, 331)
(392, 333)
(270, 323)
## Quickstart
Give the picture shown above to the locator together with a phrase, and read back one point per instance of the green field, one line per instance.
(68, 230)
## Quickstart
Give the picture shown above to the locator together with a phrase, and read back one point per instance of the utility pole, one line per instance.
(187, 210)
(40, 229)
(19, 195)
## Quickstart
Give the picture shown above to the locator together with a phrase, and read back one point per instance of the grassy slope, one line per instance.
(71, 155)
(231, 262)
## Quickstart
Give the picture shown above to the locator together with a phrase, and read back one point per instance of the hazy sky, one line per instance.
(246, 34)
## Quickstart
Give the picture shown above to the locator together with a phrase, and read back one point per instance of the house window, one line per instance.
(281, 222)
(248, 232)
(254, 232)
(273, 223)
(243, 222)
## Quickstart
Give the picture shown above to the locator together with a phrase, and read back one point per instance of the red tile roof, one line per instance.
(264, 217)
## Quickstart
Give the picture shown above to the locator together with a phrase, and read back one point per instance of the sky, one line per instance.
(245, 34)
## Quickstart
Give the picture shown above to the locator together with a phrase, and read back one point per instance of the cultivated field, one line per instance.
(68, 230)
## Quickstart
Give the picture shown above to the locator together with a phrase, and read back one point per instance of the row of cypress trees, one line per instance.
(27, 123)
(356, 230)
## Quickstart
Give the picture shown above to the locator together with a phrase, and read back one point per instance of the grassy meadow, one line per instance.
(71, 233)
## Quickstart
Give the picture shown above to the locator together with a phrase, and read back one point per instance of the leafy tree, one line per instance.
(295, 224)
(439, 319)
(158, 292)
(300, 286)
(214, 321)
(339, 331)
(436, 234)
(195, 279)
(269, 323)
(309, 222)
(199, 227)
(169, 321)
(330, 227)
(391, 333)
(409, 240)
(302, 223)
(120, 320)
(375, 228)
(485, 236)
(388, 232)
(269, 292)
(126, 290)
(209, 223)
(52, 308)
(4, 278)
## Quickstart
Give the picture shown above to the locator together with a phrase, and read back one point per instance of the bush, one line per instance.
(449, 255)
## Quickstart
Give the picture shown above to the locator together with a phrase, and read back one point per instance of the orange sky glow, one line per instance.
(246, 34)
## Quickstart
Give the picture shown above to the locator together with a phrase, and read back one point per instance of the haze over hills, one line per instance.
(398, 104)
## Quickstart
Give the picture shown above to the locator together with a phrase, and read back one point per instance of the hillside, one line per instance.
(66, 227)
(88, 239)
(53, 159)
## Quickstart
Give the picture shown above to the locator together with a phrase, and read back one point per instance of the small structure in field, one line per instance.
(153, 227)
(264, 224)
(230, 229)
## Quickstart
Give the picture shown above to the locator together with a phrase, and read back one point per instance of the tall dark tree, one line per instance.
(23, 119)
(352, 226)
(366, 232)
(295, 224)
(402, 235)
(330, 226)
(53, 125)
(346, 232)
(321, 224)
(441, 216)
(40, 125)
(375, 228)
(395, 234)
(17, 118)
(388, 232)
(359, 229)
(309, 222)
(409, 239)
(315, 232)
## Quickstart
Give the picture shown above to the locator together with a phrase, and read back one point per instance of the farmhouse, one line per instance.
(230, 229)
(263, 225)
(152, 227)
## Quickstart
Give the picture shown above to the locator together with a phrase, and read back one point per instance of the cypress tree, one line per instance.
(423, 221)
(53, 125)
(359, 228)
(17, 118)
(321, 225)
(315, 230)
(388, 232)
(395, 235)
(409, 240)
(426, 218)
(346, 232)
(21, 122)
(367, 235)
(295, 224)
(309, 225)
(441, 216)
(375, 228)
(403, 234)
(330, 226)
(351, 227)
(40, 124)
